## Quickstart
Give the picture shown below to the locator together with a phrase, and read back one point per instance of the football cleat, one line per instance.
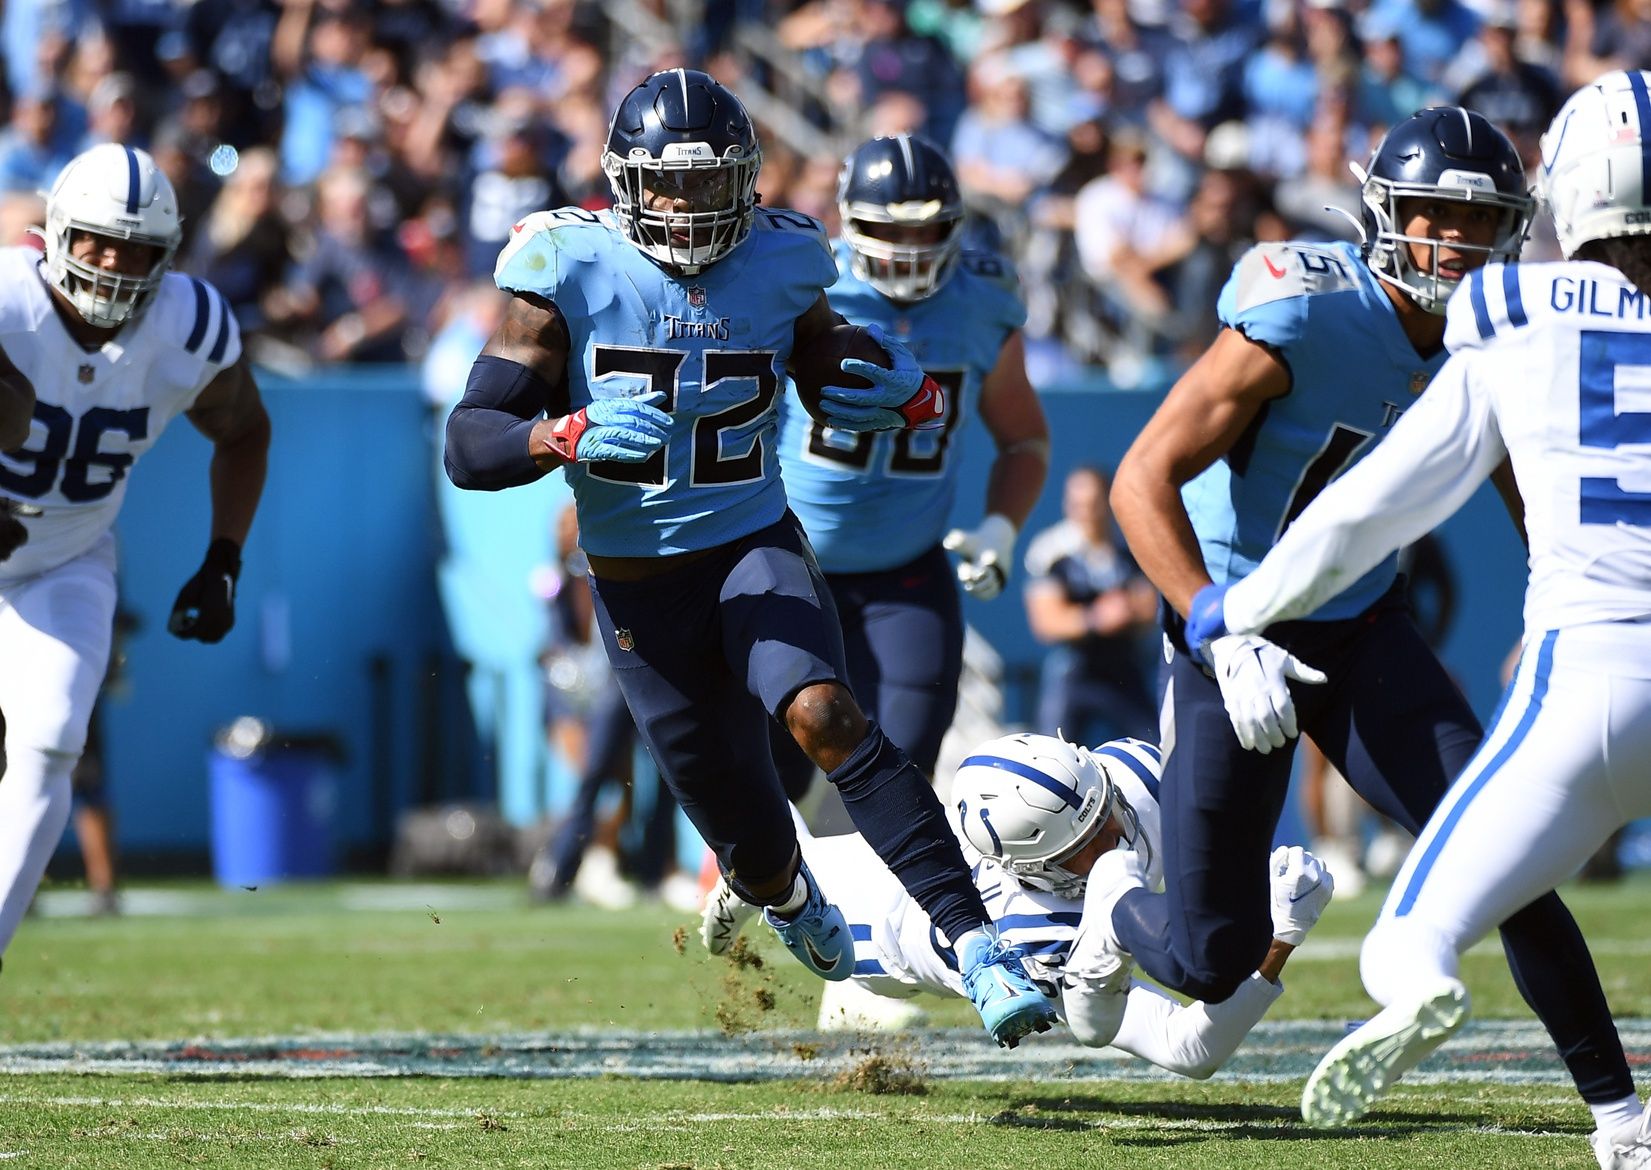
(818, 934)
(1368, 1060)
(724, 916)
(1627, 1147)
(1009, 1003)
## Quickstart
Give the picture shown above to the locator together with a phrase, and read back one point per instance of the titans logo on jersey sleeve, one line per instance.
(876, 501)
(713, 345)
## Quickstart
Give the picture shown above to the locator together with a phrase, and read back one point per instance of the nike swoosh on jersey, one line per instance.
(1278, 273)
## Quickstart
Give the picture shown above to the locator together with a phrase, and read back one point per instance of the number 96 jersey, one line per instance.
(97, 411)
(714, 344)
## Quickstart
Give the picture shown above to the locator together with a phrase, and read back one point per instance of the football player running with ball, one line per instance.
(1324, 347)
(642, 352)
(1547, 361)
(110, 346)
(875, 505)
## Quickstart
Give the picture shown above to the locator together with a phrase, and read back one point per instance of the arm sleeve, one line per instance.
(1193, 1039)
(488, 431)
(1426, 468)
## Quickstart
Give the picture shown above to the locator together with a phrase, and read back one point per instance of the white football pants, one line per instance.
(1566, 762)
(55, 631)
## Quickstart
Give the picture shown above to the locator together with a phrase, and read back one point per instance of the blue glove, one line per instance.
(1206, 621)
(888, 404)
(625, 430)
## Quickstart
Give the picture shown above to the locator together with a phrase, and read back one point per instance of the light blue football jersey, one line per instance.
(875, 501)
(1354, 371)
(715, 343)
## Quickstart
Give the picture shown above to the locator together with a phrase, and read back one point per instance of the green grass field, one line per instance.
(377, 1025)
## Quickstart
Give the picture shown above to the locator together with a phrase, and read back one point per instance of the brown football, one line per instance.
(820, 363)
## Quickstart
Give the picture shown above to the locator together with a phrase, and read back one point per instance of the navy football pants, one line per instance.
(903, 638)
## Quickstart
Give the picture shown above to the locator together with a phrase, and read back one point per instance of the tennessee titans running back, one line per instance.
(642, 351)
(1323, 349)
(875, 505)
(115, 347)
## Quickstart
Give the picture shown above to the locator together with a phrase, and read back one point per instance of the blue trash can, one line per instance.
(273, 802)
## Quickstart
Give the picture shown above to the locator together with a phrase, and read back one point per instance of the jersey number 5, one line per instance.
(709, 464)
(88, 473)
(1603, 356)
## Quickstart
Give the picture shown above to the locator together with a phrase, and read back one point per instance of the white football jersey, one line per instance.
(1551, 365)
(97, 412)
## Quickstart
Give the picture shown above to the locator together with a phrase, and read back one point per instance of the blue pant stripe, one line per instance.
(1539, 690)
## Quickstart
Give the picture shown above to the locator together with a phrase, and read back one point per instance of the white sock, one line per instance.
(1614, 1115)
(794, 901)
(34, 808)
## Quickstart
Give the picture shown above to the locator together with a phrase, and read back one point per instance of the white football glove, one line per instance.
(985, 555)
(1251, 673)
(1301, 887)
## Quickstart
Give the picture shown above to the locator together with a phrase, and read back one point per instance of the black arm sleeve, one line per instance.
(488, 431)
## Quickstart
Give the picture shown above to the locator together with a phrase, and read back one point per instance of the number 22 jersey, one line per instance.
(715, 344)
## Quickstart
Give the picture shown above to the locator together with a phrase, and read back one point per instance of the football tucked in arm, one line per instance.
(819, 364)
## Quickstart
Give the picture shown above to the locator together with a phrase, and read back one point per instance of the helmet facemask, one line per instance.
(112, 193)
(1388, 247)
(903, 269)
(102, 297)
(721, 194)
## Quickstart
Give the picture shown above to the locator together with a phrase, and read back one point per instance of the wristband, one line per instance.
(925, 410)
(565, 433)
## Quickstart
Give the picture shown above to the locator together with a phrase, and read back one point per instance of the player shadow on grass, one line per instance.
(1255, 1122)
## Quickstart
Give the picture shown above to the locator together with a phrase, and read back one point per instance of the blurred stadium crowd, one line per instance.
(349, 169)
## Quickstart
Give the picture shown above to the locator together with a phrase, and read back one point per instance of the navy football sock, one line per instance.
(895, 809)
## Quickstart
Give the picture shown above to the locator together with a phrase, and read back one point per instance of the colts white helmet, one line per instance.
(117, 192)
(1596, 174)
(1033, 801)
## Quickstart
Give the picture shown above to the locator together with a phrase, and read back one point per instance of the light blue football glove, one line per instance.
(887, 404)
(625, 430)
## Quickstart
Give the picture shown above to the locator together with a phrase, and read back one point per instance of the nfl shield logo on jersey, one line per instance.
(625, 639)
(696, 296)
(85, 373)
(1419, 381)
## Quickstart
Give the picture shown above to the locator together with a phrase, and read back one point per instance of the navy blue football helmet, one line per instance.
(902, 215)
(1444, 152)
(682, 158)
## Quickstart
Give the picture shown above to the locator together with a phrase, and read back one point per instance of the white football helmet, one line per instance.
(1032, 801)
(1593, 175)
(118, 192)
